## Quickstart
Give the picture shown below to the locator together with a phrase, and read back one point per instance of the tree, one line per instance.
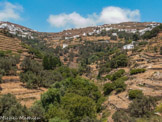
(79, 86)
(72, 99)
(56, 119)
(135, 94)
(46, 64)
(119, 86)
(31, 79)
(38, 111)
(51, 62)
(152, 33)
(142, 107)
(78, 107)
(31, 65)
(119, 60)
(52, 96)
(10, 107)
(108, 88)
(122, 116)
(87, 119)
(117, 74)
(56, 111)
(135, 37)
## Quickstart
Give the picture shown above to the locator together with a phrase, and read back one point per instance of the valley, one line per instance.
(84, 74)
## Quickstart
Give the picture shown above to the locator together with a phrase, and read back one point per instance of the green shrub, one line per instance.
(51, 62)
(119, 60)
(31, 65)
(88, 119)
(152, 33)
(118, 90)
(56, 111)
(160, 50)
(136, 71)
(31, 79)
(143, 43)
(78, 107)
(116, 75)
(2, 53)
(122, 116)
(70, 106)
(108, 77)
(34, 76)
(108, 88)
(79, 86)
(119, 86)
(38, 111)
(142, 107)
(8, 65)
(36, 52)
(56, 119)
(123, 78)
(135, 94)
(10, 107)
(159, 108)
(52, 96)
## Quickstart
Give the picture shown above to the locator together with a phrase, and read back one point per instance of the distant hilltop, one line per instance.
(130, 27)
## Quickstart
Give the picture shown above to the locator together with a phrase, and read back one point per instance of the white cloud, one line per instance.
(108, 15)
(116, 15)
(9, 11)
(68, 20)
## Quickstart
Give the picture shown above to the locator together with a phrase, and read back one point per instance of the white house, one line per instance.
(84, 34)
(76, 36)
(114, 34)
(90, 33)
(128, 47)
(64, 45)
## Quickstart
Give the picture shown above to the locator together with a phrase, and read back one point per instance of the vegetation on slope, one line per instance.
(71, 98)
(153, 32)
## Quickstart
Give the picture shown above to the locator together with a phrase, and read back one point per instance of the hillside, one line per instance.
(108, 73)
(75, 35)
(9, 43)
(10, 82)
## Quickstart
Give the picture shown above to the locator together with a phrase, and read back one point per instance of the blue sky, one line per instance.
(56, 15)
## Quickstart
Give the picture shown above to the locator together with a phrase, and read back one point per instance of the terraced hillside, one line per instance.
(9, 43)
(149, 82)
(24, 95)
(105, 66)
(11, 83)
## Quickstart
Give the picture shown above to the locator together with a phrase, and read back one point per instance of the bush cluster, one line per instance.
(51, 62)
(153, 32)
(133, 94)
(136, 71)
(116, 75)
(8, 64)
(140, 109)
(118, 85)
(35, 76)
(72, 99)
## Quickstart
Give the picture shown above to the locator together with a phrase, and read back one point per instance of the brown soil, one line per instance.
(25, 96)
